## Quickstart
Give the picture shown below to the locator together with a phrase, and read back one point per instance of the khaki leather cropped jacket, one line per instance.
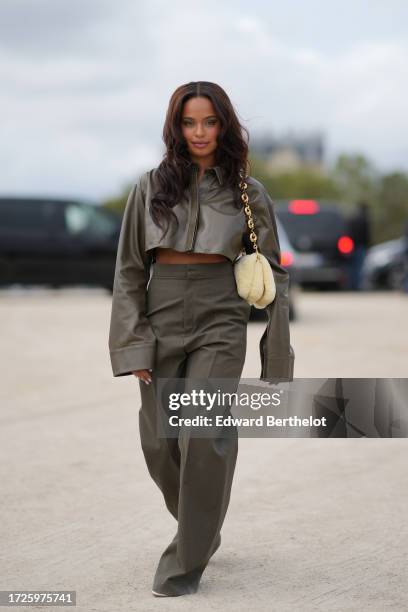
(208, 223)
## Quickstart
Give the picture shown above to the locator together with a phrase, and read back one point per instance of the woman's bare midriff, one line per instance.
(171, 256)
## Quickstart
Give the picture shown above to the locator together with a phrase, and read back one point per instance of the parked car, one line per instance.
(57, 242)
(60, 242)
(384, 265)
(318, 232)
(289, 261)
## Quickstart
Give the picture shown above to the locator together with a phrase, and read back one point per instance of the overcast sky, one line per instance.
(85, 84)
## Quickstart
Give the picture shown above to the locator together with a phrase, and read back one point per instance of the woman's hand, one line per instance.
(143, 375)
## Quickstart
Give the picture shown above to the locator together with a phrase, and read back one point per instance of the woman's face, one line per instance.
(200, 124)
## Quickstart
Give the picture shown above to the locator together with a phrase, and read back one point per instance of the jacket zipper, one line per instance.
(195, 195)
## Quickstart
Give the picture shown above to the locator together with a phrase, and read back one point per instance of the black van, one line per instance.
(57, 242)
(318, 231)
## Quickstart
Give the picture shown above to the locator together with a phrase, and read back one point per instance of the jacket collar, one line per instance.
(216, 169)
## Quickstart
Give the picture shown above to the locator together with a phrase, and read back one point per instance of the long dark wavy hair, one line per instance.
(174, 170)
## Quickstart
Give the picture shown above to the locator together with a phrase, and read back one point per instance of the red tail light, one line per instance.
(303, 207)
(286, 258)
(345, 244)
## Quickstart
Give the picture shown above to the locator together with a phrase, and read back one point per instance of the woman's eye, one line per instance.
(190, 123)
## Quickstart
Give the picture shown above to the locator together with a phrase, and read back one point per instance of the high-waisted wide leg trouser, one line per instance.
(200, 323)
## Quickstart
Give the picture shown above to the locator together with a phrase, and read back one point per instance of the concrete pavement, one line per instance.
(312, 524)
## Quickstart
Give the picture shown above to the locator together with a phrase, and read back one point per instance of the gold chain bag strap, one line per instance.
(253, 273)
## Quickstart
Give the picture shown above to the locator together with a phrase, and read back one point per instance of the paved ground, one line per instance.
(312, 524)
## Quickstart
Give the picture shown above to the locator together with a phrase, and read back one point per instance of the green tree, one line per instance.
(392, 205)
(356, 179)
(301, 183)
(118, 203)
(351, 179)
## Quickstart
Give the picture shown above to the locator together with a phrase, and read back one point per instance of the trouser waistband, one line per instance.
(193, 270)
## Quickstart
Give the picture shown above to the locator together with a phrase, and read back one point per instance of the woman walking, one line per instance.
(176, 312)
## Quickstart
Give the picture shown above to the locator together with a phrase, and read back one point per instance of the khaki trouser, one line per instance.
(200, 323)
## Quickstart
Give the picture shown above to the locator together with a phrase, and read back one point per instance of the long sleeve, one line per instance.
(277, 354)
(132, 342)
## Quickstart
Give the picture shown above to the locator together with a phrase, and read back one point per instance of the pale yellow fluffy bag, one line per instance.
(253, 273)
(254, 279)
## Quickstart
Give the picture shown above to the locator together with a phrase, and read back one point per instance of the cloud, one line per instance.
(86, 84)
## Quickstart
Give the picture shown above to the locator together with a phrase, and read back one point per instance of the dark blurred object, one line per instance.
(318, 232)
(288, 260)
(57, 242)
(384, 265)
(405, 273)
(360, 232)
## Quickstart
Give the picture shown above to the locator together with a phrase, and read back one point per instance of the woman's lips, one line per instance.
(200, 145)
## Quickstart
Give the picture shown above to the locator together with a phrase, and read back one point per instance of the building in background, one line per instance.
(290, 151)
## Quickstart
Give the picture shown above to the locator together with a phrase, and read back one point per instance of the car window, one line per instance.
(84, 218)
(327, 223)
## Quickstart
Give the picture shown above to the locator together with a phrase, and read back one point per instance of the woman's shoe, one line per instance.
(159, 594)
